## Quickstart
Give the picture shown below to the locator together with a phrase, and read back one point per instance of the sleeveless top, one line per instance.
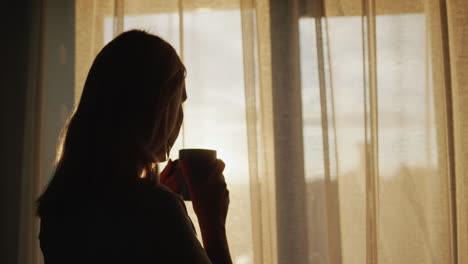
(150, 225)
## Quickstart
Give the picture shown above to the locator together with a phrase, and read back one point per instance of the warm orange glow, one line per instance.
(143, 174)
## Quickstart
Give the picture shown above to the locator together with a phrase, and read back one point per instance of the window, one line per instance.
(208, 37)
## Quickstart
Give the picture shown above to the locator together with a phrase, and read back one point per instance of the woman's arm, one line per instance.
(215, 243)
(210, 201)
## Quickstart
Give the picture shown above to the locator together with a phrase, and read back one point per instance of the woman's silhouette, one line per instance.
(106, 202)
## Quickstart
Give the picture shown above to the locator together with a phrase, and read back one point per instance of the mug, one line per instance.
(200, 162)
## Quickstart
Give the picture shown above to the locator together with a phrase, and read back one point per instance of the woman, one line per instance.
(105, 202)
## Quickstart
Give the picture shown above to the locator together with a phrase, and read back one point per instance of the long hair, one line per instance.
(121, 122)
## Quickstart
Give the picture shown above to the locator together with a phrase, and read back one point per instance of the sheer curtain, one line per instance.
(342, 122)
(356, 119)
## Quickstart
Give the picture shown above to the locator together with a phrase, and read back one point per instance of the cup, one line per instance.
(200, 162)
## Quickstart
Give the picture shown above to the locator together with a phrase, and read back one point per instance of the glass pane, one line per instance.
(337, 208)
(345, 49)
(413, 206)
(413, 189)
(215, 110)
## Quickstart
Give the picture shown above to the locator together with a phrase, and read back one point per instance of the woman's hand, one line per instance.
(210, 197)
(170, 177)
(211, 202)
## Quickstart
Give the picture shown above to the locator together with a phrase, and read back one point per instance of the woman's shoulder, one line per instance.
(155, 192)
(158, 204)
(158, 197)
(167, 227)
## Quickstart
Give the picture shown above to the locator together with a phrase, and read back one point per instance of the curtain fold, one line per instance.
(458, 38)
(329, 136)
(258, 97)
